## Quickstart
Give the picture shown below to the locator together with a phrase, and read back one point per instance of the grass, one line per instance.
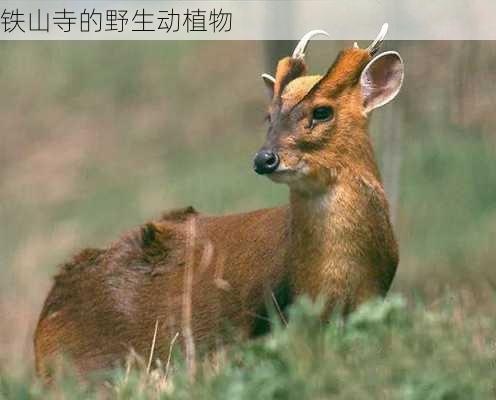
(384, 350)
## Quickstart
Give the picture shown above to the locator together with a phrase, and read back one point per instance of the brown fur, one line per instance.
(334, 239)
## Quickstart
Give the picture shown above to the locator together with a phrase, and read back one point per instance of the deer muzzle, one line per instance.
(265, 162)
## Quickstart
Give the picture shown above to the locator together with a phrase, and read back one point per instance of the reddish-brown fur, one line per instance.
(334, 238)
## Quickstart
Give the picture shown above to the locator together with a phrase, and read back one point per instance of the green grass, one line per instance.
(384, 350)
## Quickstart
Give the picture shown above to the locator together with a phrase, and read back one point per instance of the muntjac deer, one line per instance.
(211, 279)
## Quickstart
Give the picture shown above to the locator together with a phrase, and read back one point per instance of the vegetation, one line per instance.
(384, 350)
(98, 137)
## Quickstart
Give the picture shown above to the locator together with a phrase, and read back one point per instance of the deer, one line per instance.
(213, 280)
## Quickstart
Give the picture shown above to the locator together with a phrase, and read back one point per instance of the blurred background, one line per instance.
(97, 137)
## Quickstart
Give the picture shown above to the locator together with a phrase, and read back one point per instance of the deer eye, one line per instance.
(322, 114)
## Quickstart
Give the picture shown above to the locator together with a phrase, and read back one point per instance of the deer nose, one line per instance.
(265, 162)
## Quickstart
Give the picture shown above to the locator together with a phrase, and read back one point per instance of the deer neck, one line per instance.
(311, 220)
(324, 224)
(317, 215)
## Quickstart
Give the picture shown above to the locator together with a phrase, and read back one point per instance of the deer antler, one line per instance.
(376, 44)
(268, 77)
(299, 51)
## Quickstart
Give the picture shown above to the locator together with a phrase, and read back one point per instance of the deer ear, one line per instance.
(269, 81)
(381, 80)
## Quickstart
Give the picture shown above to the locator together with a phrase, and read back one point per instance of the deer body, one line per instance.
(106, 302)
(333, 239)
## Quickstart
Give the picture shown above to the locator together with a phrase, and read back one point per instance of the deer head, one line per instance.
(318, 124)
